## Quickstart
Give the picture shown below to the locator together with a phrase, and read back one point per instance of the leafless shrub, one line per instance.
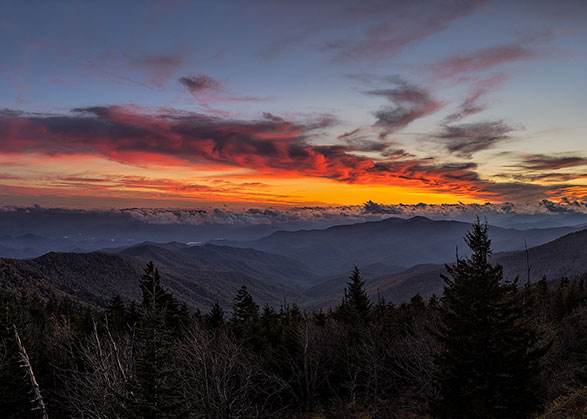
(99, 387)
(221, 378)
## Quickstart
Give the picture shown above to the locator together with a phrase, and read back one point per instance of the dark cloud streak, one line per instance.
(408, 103)
(200, 83)
(471, 106)
(543, 162)
(464, 140)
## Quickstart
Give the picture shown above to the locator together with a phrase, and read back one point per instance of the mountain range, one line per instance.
(562, 257)
(393, 241)
(398, 258)
(197, 275)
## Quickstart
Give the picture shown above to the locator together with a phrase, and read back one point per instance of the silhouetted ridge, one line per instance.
(393, 241)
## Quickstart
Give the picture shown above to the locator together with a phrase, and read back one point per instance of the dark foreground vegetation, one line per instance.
(485, 349)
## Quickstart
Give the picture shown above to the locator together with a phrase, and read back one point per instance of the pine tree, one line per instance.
(355, 305)
(155, 388)
(320, 318)
(133, 313)
(215, 318)
(245, 316)
(244, 310)
(490, 362)
(154, 296)
(116, 314)
(417, 304)
(270, 328)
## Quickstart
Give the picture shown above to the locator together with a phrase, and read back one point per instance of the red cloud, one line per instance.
(108, 186)
(269, 146)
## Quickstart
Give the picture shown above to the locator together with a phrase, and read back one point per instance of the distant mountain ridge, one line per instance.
(565, 256)
(274, 268)
(393, 241)
(198, 275)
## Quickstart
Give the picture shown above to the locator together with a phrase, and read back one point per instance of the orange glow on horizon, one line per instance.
(126, 153)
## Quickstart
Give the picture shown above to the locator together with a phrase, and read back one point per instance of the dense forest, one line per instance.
(486, 348)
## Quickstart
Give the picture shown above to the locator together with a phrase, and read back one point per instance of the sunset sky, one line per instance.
(277, 103)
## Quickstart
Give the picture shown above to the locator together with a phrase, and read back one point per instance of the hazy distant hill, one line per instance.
(197, 276)
(334, 285)
(31, 232)
(281, 270)
(384, 252)
(565, 256)
(393, 241)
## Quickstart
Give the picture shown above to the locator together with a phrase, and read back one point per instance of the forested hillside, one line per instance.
(198, 276)
(364, 357)
(563, 257)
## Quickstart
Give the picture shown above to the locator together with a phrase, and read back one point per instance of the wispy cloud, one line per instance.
(199, 84)
(395, 25)
(106, 186)
(380, 29)
(472, 105)
(550, 169)
(464, 140)
(544, 162)
(206, 90)
(158, 68)
(408, 103)
(488, 58)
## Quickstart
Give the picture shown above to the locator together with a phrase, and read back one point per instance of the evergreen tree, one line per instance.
(183, 315)
(490, 362)
(244, 310)
(116, 314)
(215, 318)
(155, 387)
(417, 304)
(355, 305)
(320, 318)
(270, 328)
(133, 314)
(157, 299)
(245, 318)
(154, 296)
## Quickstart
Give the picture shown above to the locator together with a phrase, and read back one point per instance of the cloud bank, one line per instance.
(335, 214)
(269, 147)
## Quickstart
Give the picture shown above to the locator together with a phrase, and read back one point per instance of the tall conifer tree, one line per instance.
(355, 305)
(490, 361)
(155, 388)
(215, 318)
(245, 317)
(244, 310)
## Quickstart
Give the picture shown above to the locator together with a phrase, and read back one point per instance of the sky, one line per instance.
(185, 104)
